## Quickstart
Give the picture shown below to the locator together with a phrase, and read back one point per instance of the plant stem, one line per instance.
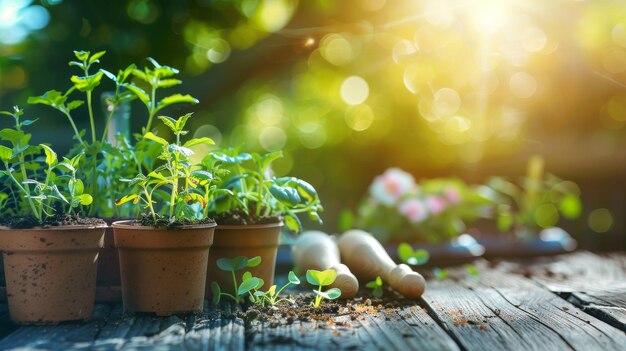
(235, 283)
(69, 117)
(149, 200)
(27, 192)
(152, 109)
(106, 126)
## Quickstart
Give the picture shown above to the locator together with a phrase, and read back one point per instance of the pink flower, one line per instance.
(389, 187)
(414, 210)
(453, 195)
(436, 204)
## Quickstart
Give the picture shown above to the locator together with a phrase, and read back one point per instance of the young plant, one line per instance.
(248, 282)
(257, 194)
(183, 188)
(377, 286)
(322, 279)
(106, 162)
(272, 296)
(412, 257)
(539, 201)
(38, 187)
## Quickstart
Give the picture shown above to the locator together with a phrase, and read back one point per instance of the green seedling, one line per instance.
(39, 186)
(322, 279)
(472, 270)
(272, 296)
(187, 187)
(377, 286)
(412, 257)
(248, 283)
(256, 193)
(440, 273)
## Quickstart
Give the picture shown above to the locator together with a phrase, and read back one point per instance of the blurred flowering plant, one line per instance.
(398, 209)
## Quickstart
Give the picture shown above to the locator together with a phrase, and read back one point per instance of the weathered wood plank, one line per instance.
(215, 329)
(594, 283)
(65, 336)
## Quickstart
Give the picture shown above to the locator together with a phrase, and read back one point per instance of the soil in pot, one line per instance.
(51, 272)
(163, 270)
(244, 240)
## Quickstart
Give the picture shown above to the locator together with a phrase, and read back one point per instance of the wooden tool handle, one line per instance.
(368, 259)
(317, 250)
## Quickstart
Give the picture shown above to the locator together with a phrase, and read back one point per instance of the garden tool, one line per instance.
(317, 250)
(368, 259)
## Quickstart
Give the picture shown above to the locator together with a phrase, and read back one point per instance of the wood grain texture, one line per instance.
(595, 283)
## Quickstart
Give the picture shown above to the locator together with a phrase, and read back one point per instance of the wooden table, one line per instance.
(575, 301)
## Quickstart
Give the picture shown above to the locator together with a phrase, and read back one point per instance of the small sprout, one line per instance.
(321, 279)
(249, 284)
(272, 296)
(472, 270)
(440, 273)
(412, 257)
(377, 286)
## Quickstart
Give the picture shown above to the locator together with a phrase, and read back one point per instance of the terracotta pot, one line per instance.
(244, 240)
(51, 272)
(163, 270)
(108, 284)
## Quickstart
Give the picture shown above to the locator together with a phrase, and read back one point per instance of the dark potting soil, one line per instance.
(147, 220)
(54, 221)
(302, 309)
(241, 218)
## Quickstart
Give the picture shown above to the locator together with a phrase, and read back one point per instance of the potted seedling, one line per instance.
(251, 209)
(50, 252)
(431, 215)
(525, 216)
(108, 159)
(163, 254)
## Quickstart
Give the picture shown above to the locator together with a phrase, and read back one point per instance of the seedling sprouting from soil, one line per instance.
(377, 286)
(248, 282)
(271, 296)
(413, 257)
(322, 279)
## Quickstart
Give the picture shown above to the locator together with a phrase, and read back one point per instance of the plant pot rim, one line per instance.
(127, 224)
(58, 227)
(249, 226)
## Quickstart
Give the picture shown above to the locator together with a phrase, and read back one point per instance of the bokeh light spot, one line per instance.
(533, 39)
(143, 11)
(523, 85)
(354, 90)
(618, 34)
(272, 138)
(546, 215)
(218, 51)
(273, 15)
(616, 108)
(614, 60)
(446, 102)
(600, 220)
(269, 110)
(336, 49)
(359, 117)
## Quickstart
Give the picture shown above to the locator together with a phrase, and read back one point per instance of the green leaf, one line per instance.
(323, 278)
(169, 122)
(440, 274)
(153, 137)
(126, 198)
(196, 141)
(246, 276)
(5, 153)
(232, 159)
(167, 83)
(419, 257)
(51, 156)
(254, 261)
(329, 294)
(176, 99)
(215, 288)
(85, 199)
(285, 195)
(13, 136)
(225, 264)
(293, 222)
(405, 252)
(379, 281)
(76, 186)
(74, 105)
(81, 55)
(471, 269)
(181, 149)
(293, 279)
(96, 56)
(247, 285)
(52, 98)
(240, 262)
(140, 93)
(110, 75)
(156, 175)
(182, 121)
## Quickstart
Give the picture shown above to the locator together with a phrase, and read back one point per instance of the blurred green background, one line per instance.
(350, 88)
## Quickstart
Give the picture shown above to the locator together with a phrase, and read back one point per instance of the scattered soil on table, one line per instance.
(54, 221)
(241, 218)
(331, 313)
(147, 220)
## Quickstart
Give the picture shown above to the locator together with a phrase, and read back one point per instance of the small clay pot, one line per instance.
(51, 272)
(163, 270)
(244, 240)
